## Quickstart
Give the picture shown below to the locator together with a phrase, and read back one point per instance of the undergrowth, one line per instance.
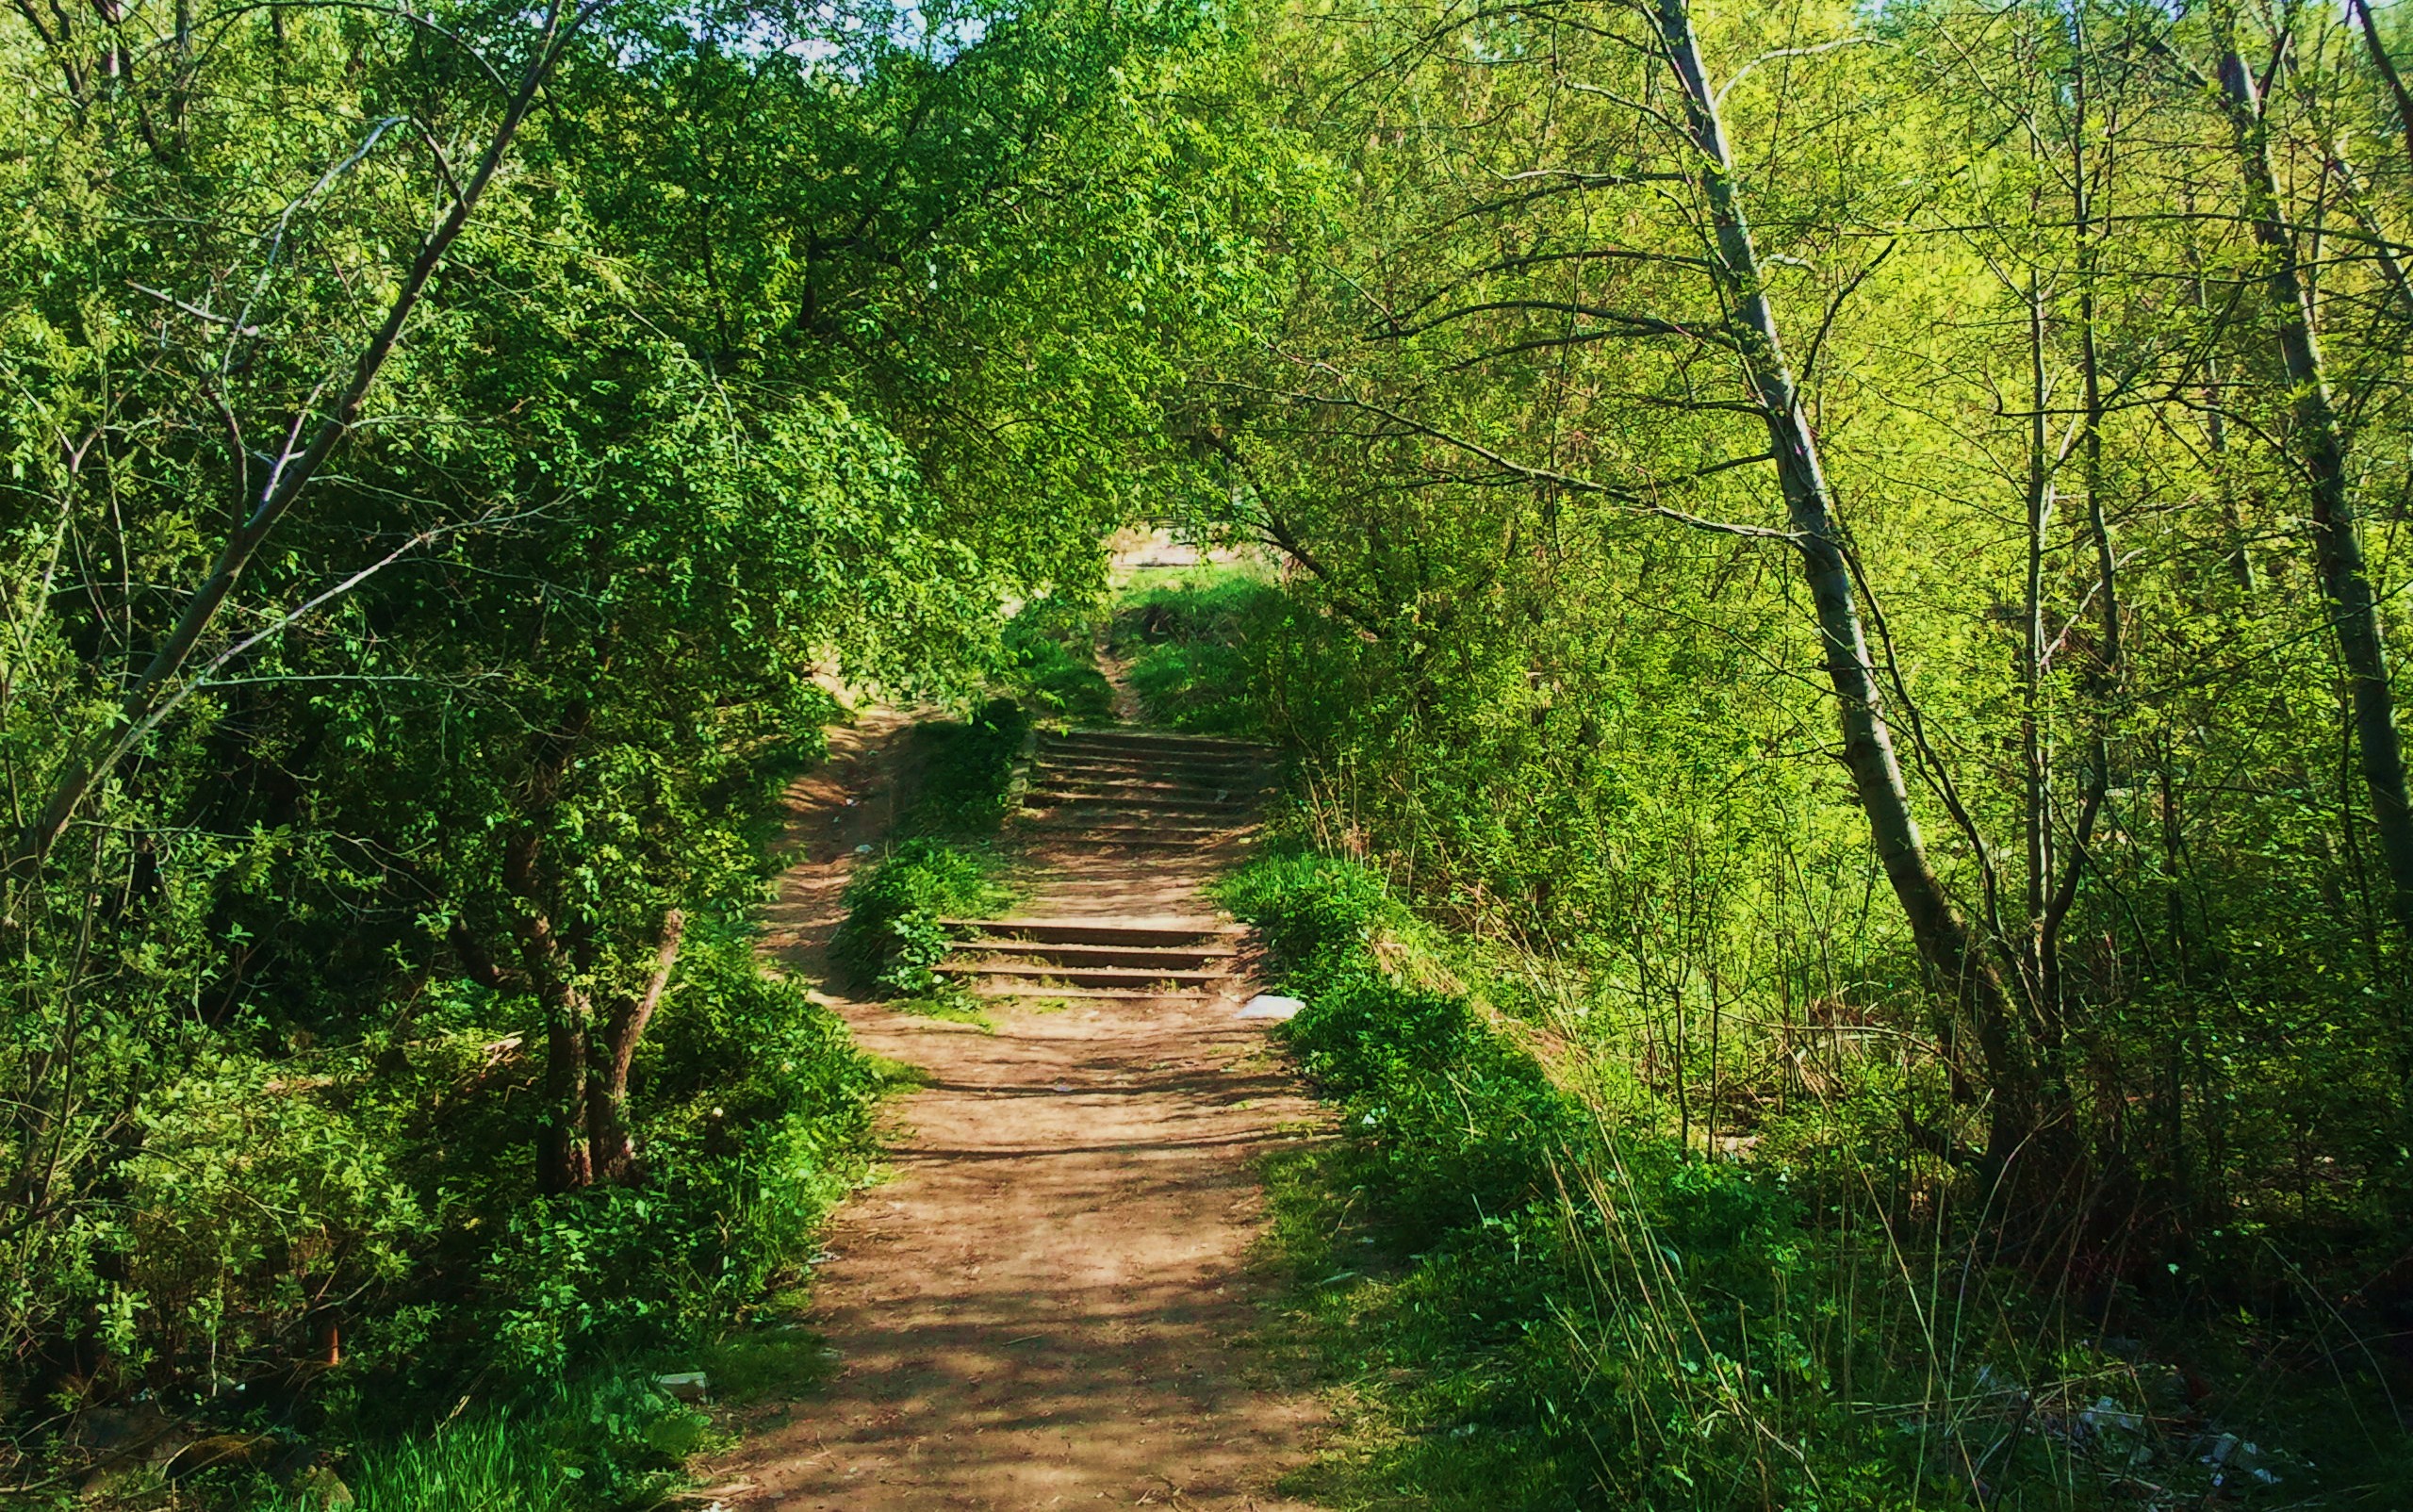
(1051, 665)
(1537, 1303)
(962, 773)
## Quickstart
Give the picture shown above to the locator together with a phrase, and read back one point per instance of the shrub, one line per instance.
(963, 777)
(892, 937)
(758, 1113)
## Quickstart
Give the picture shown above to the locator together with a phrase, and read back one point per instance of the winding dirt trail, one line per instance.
(1050, 1304)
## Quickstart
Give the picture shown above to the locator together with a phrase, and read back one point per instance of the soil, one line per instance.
(1051, 1302)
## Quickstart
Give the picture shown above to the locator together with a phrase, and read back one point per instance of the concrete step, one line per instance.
(1192, 774)
(1094, 818)
(1136, 793)
(1197, 956)
(1079, 832)
(1074, 784)
(996, 991)
(1144, 801)
(1160, 742)
(1054, 751)
(1072, 976)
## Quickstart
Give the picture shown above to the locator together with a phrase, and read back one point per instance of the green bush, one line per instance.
(890, 937)
(963, 773)
(760, 1118)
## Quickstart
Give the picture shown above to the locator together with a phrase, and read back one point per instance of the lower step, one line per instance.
(1078, 976)
(1161, 834)
(997, 991)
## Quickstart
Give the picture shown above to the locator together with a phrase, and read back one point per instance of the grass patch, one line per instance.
(611, 1442)
(775, 1363)
(1187, 633)
(949, 1008)
(892, 938)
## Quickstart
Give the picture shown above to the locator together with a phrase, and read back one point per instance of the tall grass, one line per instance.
(608, 1441)
(485, 1464)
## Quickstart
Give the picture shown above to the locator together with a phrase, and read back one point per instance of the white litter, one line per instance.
(1267, 1005)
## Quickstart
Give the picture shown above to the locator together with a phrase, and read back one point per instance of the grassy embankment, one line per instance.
(1539, 1282)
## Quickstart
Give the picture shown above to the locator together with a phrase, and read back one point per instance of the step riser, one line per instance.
(1127, 753)
(975, 954)
(1107, 758)
(1163, 745)
(1079, 995)
(1203, 809)
(1042, 798)
(1204, 797)
(1080, 975)
(1154, 773)
(1126, 842)
(1099, 826)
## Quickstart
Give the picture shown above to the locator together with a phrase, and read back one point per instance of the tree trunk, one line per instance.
(2319, 443)
(565, 1156)
(1943, 938)
(564, 1162)
(2398, 96)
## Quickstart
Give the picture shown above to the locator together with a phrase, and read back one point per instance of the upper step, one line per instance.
(1051, 770)
(1197, 955)
(1077, 975)
(1158, 805)
(1163, 743)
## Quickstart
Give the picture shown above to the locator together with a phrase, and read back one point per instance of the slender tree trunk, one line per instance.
(2397, 93)
(2104, 667)
(2318, 442)
(2216, 430)
(1943, 940)
(608, 1054)
(2036, 757)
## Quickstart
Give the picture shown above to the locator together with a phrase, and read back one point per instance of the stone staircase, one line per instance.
(1119, 830)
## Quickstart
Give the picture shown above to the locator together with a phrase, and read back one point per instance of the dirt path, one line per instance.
(1049, 1304)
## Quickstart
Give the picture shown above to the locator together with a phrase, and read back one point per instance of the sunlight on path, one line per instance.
(1050, 1304)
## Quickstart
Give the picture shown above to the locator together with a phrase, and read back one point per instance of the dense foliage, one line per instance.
(449, 455)
(1861, 540)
